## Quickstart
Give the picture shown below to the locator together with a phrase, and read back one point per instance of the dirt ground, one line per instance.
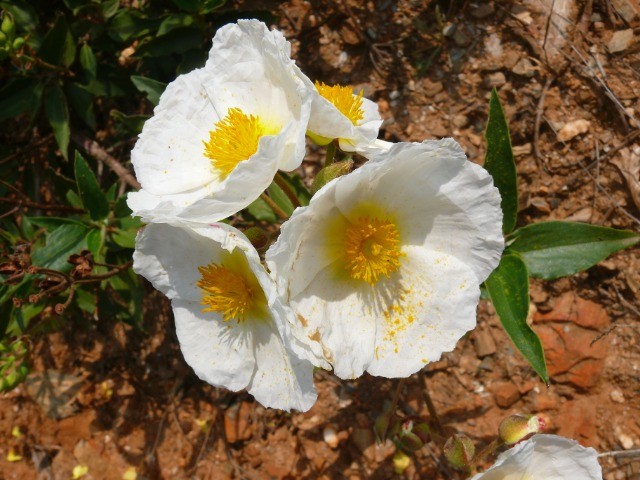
(123, 403)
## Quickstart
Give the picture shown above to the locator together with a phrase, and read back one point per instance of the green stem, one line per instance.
(331, 154)
(286, 188)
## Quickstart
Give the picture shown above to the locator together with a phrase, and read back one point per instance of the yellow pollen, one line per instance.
(344, 100)
(234, 139)
(226, 292)
(371, 249)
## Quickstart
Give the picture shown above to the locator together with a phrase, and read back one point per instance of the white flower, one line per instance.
(336, 112)
(545, 457)
(233, 329)
(383, 267)
(220, 133)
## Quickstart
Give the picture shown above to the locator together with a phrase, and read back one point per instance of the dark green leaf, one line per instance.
(300, 189)
(174, 21)
(51, 223)
(499, 162)
(23, 13)
(81, 101)
(92, 196)
(58, 46)
(55, 106)
(177, 41)
(129, 24)
(152, 88)
(88, 60)
(62, 242)
(121, 209)
(125, 238)
(94, 242)
(557, 249)
(210, 5)
(190, 6)
(19, 96)
(131, 123)
(73, 199)
(508, 288)
(109, 8)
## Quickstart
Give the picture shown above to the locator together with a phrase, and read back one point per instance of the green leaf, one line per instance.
(94, 242)
(125, 238)
(131, 123)
(62, 242)
(120, 208)
(174, 21)
(190, 6)
(129, 24)
(58, 46)
(109, 8)
(208, 6)
(51, 223)
(19, 96)
(152, 88)
(508, 288)
(92, 196)
(558, 249)
(73, 199)
(298, 186)
(23, 13)
(177, 41)
(499, 162)
(55, 106)
(88, 61)
(281, 199)
(81, 101)
(261, 211)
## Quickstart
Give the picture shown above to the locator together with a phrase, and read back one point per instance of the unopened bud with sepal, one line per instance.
(459, 450)
(519, 426)
(330, 172)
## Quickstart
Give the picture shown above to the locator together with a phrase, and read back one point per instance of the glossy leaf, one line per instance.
(19, 96)
(557, 249)
(58, 46)
(88, 60)
(150, 87)
(499, 162)
(55, 106)
(508, 288)
(62, 242)
(93, 198)
(109, 8)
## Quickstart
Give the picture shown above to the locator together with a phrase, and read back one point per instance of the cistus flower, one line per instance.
(220, 133)
(337, 112)
(545, 457)
(233, 329)
(383, 267)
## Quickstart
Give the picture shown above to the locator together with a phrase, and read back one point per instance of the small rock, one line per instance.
(525, 68)
(620, 41)
(617, 396)
(577, 420)
(460, 120)
(625, 440)
(493, 46)
(573, 129)
(582, 215)
(524, 17)
(519, 150)
(496, 79)
(484, 343)
(362, 438)
(461, 38)
(505, 394)
(330, 436)
(540, 204)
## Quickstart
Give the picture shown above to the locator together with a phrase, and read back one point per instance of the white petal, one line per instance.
(434, 305)
(545, 457)
(219, 352)
(280, 380)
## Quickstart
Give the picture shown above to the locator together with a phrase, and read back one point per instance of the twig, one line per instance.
(430, 406)
(621, 453)
(100, 154)
(274, 206)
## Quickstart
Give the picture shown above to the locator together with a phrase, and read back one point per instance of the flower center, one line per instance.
(229, 293)
(372, 249)
(344, 100)
(234, 139)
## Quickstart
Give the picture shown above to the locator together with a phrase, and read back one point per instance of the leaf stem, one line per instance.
(286, 188)
(278, 211)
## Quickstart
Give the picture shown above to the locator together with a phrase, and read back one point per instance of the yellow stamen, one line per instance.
(344, 100)
(371, 249)
(234, 139)
(230, 293)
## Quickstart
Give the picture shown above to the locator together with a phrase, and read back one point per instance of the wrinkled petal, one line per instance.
(545, 457)
(248, 68)
(259, 354)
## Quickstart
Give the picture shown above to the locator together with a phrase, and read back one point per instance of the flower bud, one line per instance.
(407, 439)
(517, 427)
(423, 431)
(258, 237)
(330, 172)
(18, 43)
(8, 27)
(459, 450)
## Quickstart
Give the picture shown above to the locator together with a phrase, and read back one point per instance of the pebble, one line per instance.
(484, 343)
(331, 436)
(496, 79)
(505, 394)
(620, 41)
(617, 396)
(573, 129)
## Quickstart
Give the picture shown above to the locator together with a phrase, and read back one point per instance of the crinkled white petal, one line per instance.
(327, 121)
(545, 457)
(249, 69)
(252, 354)
(432, 192)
